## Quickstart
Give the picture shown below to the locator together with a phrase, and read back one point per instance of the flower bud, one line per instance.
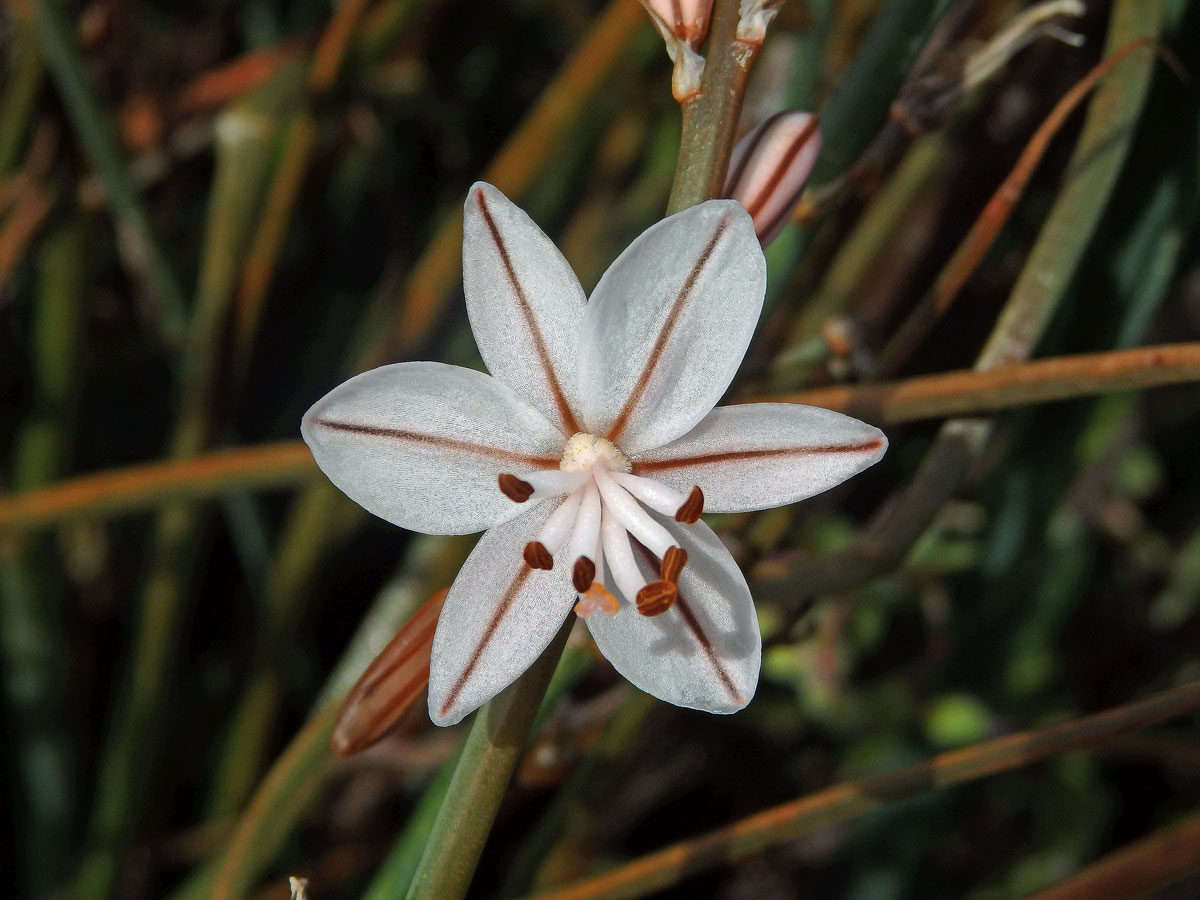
(683, 25)
(390, 684)
(686, 19)
(770, 167)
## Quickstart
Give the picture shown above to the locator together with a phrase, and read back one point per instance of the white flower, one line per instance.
(596, 423)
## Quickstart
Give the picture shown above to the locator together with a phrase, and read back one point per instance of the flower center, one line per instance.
(584, 452)
(605, 505)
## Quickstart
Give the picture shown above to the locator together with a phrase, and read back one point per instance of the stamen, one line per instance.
(618, 556)
(654, 494)
(672, 564)
(585, 535)
(595, 596)
(537, 556)
(656, 598)
(554, 482)
(635, 519)
(514, 488)
(583, 575)
(693, 506)
(558, 525)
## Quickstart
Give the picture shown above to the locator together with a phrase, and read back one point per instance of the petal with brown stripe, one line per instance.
(704, 652)
(422, 444)
(524, 302)
(498, 618)
(668, 325)
(762, 455)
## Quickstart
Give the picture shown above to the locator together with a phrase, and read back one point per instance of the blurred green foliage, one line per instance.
(1063, 578)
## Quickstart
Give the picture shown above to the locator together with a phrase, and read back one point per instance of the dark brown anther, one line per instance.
(583, 574)
(689, 513)
(538, 557)
(514, 488)
(673, 562)
(656, 598)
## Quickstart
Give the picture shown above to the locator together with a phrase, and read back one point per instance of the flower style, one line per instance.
(595, 425)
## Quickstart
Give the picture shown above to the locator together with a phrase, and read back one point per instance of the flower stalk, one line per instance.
(710, 117)
(489, 756)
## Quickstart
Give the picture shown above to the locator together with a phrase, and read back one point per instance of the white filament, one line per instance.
(552, 483)
(654, 494)
(635, 519)
(558, 526)
(585, 537)
(619, 557)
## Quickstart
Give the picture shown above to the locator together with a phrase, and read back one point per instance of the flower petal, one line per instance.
(421, 444)
(760, 455)
(524, 302)
(668, 325)
(498, 618)
(705, 651)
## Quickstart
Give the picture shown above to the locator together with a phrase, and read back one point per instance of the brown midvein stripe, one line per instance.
(693, 624)
(410, 687)
(664, 335)
(641, 467)
(677, 12)
(423, 636)
(560, 400)
(793, 151)
(735, 177)
(542, 462)
(510, 596)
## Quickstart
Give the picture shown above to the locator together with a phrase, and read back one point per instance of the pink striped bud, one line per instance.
(770, 167)
(391, 683)
(685, 19)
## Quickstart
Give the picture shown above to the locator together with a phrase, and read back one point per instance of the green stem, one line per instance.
(710, 118)
(403, 862)
(564, 834)
(488, 758)
(34, 662)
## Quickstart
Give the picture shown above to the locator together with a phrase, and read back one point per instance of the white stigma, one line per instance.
(585, 452)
